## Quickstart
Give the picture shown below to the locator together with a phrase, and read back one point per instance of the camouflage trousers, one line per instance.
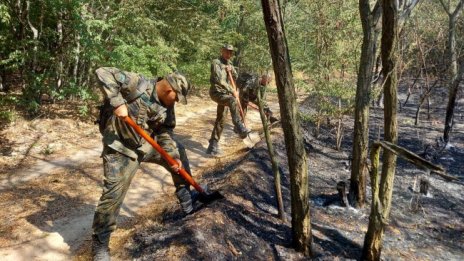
(119, 170)
(224, 101)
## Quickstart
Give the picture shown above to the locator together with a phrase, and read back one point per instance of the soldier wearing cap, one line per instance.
(222, 92)
(150, 102)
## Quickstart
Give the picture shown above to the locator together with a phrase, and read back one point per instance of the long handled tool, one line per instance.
(231, 79)
(251, 139)
(205, 197)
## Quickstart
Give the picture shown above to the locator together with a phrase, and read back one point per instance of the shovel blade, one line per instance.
(251, 139)
(209, 197)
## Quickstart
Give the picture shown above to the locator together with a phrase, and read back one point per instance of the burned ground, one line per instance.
(245, 225)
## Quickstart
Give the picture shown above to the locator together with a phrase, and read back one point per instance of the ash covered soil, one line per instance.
(245, 225)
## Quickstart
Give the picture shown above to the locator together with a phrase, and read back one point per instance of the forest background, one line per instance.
(49, 49)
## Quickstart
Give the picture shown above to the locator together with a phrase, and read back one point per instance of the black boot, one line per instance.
(270, 116)
(273, 119)
(100, 250)
(185, 200)
(242, 131)
(213, 148)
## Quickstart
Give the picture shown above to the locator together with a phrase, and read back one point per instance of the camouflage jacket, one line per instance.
(249, 84)
(219, 79)
(139, 94)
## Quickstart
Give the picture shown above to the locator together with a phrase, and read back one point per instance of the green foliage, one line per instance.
(84, 110)
(306, 117)
(48, 150)
(324, 42)
(155, 37)
(7, 116)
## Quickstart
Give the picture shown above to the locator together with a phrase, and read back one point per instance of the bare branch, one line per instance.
(417, 160)
(458, 8)
(406, 12)
(447, 8)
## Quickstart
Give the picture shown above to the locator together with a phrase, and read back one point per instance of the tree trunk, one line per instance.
(390, 33)
(424, 97)
(452, 103)
(453, 67)
(390, 36)
(373, 239)
(76, 58)
(339, 133)
(35, 35)
(369, 21)
(59, 30)
(297, 158)
(275, 165)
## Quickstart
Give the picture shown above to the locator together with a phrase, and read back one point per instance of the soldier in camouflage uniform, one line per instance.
(249, 85)
(223, 93)
(151, 104)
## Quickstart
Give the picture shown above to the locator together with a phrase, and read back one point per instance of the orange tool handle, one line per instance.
(231, 79)
(253, 106)
(164, 154)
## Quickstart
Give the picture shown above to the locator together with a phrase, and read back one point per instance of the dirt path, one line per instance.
(50, 181)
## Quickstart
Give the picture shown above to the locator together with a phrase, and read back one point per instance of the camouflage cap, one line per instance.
(180, 84)
(228, 47)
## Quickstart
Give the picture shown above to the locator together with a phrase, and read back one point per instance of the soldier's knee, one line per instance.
(231, 101)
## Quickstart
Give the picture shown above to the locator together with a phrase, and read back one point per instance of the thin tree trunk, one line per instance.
(411, 87)
(76, 58)
(453, 66)
(423, 98)
(390, 34)
(275, 164)
(339, 135)
(59, 30)
(389, 49)
(297, 158)
(369, 21)
(373, 239)
(35, 37)
(452, 103)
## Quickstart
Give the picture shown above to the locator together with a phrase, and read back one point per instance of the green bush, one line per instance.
(7, 116)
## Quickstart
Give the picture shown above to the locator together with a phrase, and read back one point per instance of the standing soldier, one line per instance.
(249, 85)
(222, 92)
(151, 104)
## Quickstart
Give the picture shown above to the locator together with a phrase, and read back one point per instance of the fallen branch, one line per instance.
(417, 160)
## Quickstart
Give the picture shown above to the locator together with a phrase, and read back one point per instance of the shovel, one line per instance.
(205, 196)
(252, 137)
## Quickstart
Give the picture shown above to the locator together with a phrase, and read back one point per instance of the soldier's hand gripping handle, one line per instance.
(177, 167)
(121, 111)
